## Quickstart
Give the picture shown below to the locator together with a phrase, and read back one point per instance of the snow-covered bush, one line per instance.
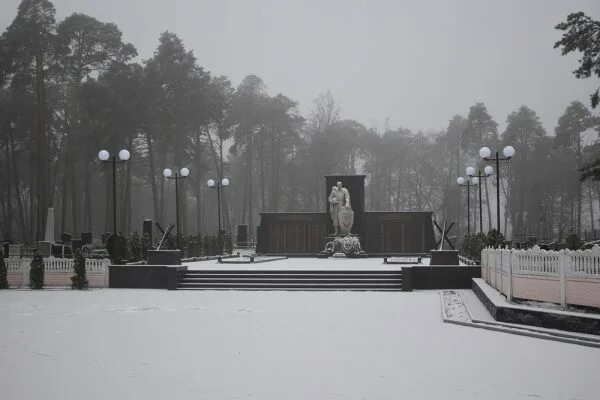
(3, 272)
(79, 280)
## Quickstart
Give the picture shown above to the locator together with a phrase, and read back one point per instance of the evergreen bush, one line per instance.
(36, 272)
(472, 244)
(228, 245)
(134, 247)
(3, 272)
(79, 280)
(495, 239)
(145, 245)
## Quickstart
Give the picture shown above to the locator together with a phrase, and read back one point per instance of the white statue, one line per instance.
(341, 213)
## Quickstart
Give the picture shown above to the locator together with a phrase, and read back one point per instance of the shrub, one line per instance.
(145, 245)
(3, 272)
(472, 244)
(79, 280)
(495, 239)
(134, 247)
(228, 244)
(36, 272)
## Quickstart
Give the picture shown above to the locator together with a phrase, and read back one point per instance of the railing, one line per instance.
(58, 271)
(564, 277)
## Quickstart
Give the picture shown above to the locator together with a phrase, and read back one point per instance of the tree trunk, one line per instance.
(151, 178)
(8, 214)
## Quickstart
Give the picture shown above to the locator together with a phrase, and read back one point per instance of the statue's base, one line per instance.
(339, 255)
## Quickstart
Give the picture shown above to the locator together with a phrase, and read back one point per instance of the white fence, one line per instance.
(563, 277)
(57, 271)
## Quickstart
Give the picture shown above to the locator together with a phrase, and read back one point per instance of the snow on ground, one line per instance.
(304, 263)
(158, 344)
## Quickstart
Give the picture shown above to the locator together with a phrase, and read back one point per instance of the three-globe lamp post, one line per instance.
(468, 183)
(487, 172)
(183, 173)
(218, 185)
(106, 158)
(485, 153)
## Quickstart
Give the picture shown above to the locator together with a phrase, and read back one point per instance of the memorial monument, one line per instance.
(379, 233)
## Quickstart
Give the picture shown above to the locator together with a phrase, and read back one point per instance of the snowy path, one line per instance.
(154, 344)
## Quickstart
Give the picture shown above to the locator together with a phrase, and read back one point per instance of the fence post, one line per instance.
(23, 267)
(562, 266)
(510, 258)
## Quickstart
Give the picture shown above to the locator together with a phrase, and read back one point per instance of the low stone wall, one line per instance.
(57, 272)
(439, 277)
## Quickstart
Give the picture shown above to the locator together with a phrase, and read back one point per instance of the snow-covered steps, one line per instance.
(291, 280)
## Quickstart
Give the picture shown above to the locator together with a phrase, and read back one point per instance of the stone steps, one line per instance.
(292, 280)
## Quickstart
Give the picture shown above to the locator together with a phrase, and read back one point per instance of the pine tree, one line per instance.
(79, 279)
(36, 272)
(3, 272)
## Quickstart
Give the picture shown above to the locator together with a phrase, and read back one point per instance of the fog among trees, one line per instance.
(71, 87)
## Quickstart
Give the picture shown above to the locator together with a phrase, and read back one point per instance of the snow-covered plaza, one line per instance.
(157, 344)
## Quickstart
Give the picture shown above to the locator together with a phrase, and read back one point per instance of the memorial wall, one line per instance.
(380, 232)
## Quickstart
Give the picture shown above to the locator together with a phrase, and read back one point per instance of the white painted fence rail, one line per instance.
(57, 272)
(562, 277)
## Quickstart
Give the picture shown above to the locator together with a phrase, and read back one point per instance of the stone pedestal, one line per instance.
(86, 238)
(164, 257)
(65, 237)
(45, 248)
(76, 244)
(147, 228)
(444, 257)
(242, 236)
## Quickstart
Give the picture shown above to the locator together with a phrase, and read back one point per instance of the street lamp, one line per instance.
(487, 171)
(468, 183)
(218, 185)
(485, 153)
(183, 173)
(105, 157)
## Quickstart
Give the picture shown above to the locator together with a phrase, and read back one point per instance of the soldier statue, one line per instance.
(341, 213)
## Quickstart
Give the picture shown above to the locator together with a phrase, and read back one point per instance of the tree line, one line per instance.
(73, 87)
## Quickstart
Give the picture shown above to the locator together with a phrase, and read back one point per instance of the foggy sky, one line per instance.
(414, 62)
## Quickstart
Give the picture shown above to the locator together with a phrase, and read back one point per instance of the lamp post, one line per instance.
(468, 183)
(485, 154)
(218, 185)
(105, 157)
(183, 173)
(487, 171)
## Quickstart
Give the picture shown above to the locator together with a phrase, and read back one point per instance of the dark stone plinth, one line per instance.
(45, 248)
(86, 238)
(164, 257)
(147, 228)
(242, 236)
(65, 237)
(440, 276)
(76, 244)
(550, 319)
(444, 257)
(145, 276)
